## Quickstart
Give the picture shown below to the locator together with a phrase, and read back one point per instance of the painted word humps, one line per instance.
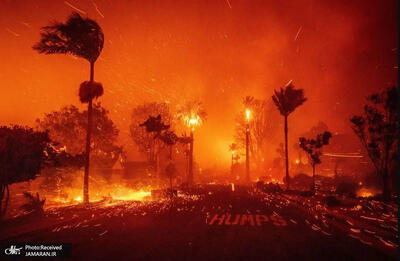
(246, 219)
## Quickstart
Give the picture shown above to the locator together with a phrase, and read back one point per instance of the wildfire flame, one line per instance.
(192, 121)
(248, 114)
(132, 195)
(73, 195)
(365, 193)
(276, 181)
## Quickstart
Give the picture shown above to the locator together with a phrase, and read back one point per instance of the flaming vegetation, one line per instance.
(262, 119)
(192, 114)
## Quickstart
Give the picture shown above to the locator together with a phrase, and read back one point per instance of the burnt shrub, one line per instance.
(34, 204)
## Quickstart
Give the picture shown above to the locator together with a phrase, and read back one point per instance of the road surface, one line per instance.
(215, 224)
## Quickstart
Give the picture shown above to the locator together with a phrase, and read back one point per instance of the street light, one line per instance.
(248, 116)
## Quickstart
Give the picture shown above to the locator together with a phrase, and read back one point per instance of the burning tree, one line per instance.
(143, 139)
(192, 115)
(23, 153)
(313, 148)
(378, 132)
(84, 38)
(287, 100)
(261, 127)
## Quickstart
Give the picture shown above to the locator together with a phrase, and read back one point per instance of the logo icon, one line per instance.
(13, 250)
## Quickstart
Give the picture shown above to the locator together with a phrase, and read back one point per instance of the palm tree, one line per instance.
(192, 114)
(84, 38)
(287, 100)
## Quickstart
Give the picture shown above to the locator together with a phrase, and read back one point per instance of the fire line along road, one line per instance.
(213, 223)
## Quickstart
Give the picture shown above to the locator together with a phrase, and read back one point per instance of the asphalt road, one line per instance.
(216, 224)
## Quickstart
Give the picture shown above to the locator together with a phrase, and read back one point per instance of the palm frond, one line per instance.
(89, 90)
(288, 99)
(79, 36)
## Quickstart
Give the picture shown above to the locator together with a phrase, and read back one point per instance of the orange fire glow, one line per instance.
(204, 50)
(192, 121)
(115, 192)
(365, 193)
(248, 114)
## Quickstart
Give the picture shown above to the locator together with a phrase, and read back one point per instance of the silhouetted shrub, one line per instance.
(301, 181)
(268, 187)
(347, 189)
(34, 204)
(332, 201)
(307, 193)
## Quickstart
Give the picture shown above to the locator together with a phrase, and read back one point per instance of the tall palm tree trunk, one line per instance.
(287, 154)
(88, 136)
